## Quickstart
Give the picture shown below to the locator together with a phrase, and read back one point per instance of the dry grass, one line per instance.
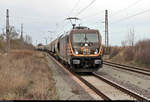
(142, 52)
(137, 55)
(2, 46)
(129, 53)
(15, 44)
(24, 74)
(114, 51)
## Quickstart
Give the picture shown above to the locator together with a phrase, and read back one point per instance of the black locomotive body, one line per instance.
(80, 48)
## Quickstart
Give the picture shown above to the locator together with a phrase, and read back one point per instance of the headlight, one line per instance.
(76, 61)
(86, 44)
(97, 61)
(96, 51)
(76, 51)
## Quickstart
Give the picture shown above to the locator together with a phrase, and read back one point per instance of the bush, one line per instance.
(15, 44)
(138, 54)
(2, 46)
(142, 52)
(114, 51)
(128, 54)
(18, 44)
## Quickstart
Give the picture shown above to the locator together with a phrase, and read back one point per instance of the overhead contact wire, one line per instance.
(82, 10)
(133, 4)
(76, 5)
(140, 13)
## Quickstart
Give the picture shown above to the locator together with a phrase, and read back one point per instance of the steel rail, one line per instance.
(138, 68)
(126, 68)
(121, 88)
(94, 88)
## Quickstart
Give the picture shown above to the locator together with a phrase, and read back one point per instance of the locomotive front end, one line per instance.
(86, 48)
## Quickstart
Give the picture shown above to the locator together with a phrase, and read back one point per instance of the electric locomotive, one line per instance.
(80, 48)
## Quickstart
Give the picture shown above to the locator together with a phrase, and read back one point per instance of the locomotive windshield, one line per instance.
(89, 37)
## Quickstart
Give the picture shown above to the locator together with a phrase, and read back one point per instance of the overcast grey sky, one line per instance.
(41, 16)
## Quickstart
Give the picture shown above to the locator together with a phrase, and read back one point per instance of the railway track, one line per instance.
(106, 91)
(103, 87)
(129, 68)
(110, 90)
(130, 93)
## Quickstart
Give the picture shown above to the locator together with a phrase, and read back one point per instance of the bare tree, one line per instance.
(13, 33)
(28, 39)
(124, 43)
(131, 37)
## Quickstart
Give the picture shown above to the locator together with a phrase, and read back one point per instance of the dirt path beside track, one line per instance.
(67, 88)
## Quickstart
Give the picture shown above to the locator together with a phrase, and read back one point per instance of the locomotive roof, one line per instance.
(84, 30)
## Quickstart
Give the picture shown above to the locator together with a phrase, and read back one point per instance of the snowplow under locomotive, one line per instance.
(80, 48)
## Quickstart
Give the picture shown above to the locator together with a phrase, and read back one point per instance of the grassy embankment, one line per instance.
(24, 74)
(137, 55)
